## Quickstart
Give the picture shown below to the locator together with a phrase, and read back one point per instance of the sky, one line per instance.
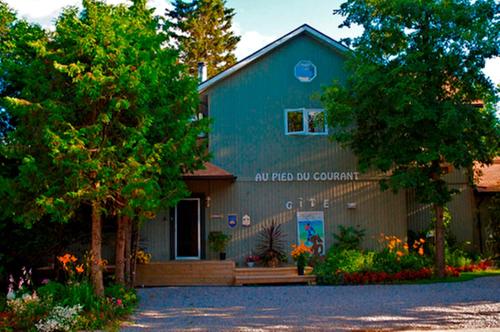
(258, 22)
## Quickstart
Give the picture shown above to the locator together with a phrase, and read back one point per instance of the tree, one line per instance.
(103, 119)
(409, 106)
(202, 30)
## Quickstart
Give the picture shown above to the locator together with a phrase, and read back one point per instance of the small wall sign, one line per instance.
(232, 220)
(245, 221)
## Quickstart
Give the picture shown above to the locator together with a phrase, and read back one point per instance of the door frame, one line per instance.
(201, 229)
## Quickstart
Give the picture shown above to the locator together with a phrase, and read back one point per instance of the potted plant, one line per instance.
(270, 245)
(217, 241)
(301, 255)
(252, 260)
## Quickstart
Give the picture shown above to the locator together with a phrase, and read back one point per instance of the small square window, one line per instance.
(295, 121)
(303, 121)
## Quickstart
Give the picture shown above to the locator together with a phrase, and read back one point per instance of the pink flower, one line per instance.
(119, 302)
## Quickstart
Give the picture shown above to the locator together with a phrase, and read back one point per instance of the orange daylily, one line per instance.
(421, 251)
(65, 259)
(79, 268)
(300, 249)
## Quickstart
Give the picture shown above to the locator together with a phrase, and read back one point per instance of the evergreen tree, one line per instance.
(102, 116)
(202, 31)
(409, 106)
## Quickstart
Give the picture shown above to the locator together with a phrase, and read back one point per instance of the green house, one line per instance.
(274, 163)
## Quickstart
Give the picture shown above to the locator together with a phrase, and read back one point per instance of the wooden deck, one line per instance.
(185, 273)
(215, 273)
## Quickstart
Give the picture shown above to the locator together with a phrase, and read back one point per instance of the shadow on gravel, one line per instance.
(396, 307)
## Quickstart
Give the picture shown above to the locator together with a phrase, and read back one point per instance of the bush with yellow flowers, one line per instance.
(142, 257)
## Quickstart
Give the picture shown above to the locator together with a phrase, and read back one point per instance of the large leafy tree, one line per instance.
(202, 31)
(103, 118)
(410, 105)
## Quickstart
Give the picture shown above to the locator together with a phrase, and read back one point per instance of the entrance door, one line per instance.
(187, 229)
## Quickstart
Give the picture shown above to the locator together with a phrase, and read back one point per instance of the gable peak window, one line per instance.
(305, 71)
(305, 121)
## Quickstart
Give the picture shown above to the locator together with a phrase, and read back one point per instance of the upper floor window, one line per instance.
(305, 71)
(305, 121)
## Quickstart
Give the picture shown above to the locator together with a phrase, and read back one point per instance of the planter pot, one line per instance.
(222, 256)
(300, 270)
(250, 264)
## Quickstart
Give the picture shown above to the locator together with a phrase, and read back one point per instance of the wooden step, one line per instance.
(284, 270)
(273, 279)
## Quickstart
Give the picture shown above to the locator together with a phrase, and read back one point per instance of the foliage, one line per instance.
(409, 106)
(218, 241)
(394, 261)
(101, 115)
(348, 238)
(203, 31)
(457, 258)
(73, 306)
(270, 245)
(125, 298)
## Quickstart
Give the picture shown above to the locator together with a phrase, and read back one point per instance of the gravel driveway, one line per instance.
(471, 304)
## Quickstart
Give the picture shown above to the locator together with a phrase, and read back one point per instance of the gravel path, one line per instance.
(463, 305)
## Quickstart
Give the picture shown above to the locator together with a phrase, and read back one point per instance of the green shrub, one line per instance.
(82, 294)
(124, 298)
(349, 238)
(52, 291)
(457, 258)
(339, 261)
(414, 261)
(386, 261)
(27, 310)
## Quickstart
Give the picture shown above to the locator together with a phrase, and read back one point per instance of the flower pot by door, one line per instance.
(222, 256)
(300, 270)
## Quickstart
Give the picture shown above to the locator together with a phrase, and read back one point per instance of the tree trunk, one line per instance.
(439, 241)
(134, 247)
(121, 233)
(128, 253)
(96, 262)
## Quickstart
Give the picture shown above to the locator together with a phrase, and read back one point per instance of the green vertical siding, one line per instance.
(248, 137)
(248, 133)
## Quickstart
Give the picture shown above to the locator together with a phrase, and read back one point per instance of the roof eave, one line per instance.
(268, 48)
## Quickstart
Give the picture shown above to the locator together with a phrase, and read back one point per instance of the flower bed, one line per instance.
(67, 306)
(396, 261)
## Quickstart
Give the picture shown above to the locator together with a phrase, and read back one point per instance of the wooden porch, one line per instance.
(215, 273)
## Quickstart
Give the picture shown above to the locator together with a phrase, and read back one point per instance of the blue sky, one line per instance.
(259, 22)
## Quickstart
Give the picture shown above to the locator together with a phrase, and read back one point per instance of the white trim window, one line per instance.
(305, 121)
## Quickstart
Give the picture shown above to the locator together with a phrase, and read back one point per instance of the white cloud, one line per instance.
(492, 69)
(44, 12)
(250, 42)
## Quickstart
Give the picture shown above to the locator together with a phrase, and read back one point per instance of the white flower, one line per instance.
(60, 319)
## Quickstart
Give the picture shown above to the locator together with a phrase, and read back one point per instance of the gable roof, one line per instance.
(209, 172)
(489, 177)
(270, 47)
